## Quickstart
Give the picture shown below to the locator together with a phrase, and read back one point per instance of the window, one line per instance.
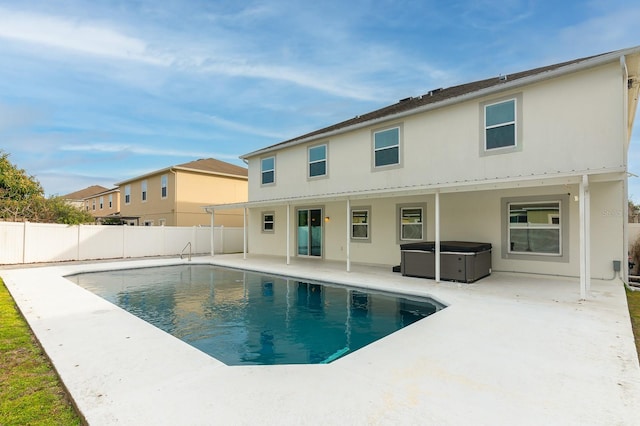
(110, 200)
(386, 147)
(93, 203)
(86, 205)
(268, 168)
(360, 224)
(127, 194)
(148, 223)
(500, 128)
(318, 161)
(163, 186)
(144, 190)
(101, 203)
(162, 222)
(411, 223)
(534, 227)
(268, 221)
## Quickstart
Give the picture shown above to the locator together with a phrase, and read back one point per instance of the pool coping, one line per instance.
(511, 348)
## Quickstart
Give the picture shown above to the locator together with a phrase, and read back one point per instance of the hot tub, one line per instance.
(461, 261)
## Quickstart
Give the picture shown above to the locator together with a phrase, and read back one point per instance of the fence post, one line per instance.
(24, 241)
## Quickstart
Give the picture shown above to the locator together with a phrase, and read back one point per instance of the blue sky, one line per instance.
(95, 92)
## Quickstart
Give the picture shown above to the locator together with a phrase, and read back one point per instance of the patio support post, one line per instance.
(437, 236)
(244, 233)
(212, 231)
(288, 234)
(348, 235)
(585, 238)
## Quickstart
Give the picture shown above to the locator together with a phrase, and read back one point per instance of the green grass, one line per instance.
(30, 390)
(633, 300)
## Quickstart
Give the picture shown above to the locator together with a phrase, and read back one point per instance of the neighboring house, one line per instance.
(104, 205)
(534, 163)
(78, 198)
(174, 196)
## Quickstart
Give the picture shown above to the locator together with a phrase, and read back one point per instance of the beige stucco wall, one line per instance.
(568, 123)
(470, 216)
(105, 210)
(155, 207)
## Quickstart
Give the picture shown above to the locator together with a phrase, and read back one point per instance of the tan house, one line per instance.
(103, 205)
(78, 198)
(174, 196)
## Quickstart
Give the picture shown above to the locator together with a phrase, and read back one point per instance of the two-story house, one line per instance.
(104, 205)
(78, 198)
(534, 163)
(174, 196)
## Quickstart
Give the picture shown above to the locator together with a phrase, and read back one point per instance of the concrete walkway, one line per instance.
(509, 349)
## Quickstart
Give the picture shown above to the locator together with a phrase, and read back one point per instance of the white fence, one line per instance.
(25, 242)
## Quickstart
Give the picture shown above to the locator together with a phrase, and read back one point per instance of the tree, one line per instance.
(22, 198)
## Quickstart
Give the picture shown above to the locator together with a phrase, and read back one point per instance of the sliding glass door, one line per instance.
(310, 232)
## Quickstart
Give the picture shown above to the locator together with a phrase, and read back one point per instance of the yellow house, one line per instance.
(174, 196)
(78, 198)
(103, 205)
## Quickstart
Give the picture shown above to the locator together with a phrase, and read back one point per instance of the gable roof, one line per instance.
(444, 96)
(203, 165)
(84, 193)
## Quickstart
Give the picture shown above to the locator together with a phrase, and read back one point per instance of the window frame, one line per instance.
(563, 226)
(164, 186)
(263, 171)
(517, 123)
(325, 160)
(360, 209)
(110, 201)
(265, 222)
(399, 146)
(101, 202)
(143, 191)
(399, 225)
(127, 194)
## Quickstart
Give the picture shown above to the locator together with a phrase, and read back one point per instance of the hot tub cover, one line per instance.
(451, 246)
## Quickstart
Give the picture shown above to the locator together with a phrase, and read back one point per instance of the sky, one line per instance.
(94, 92)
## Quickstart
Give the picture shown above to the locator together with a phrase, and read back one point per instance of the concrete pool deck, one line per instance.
(509, 349)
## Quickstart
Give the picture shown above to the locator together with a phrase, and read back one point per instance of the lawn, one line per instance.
(30, 390)
(633, 299)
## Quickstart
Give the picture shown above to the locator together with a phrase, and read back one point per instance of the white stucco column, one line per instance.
(213, 238)
(348, 235)
(288, 234)
(437, 241)
(244, 233)
(585, 238)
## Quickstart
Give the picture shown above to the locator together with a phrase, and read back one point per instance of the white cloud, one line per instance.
(142, 150)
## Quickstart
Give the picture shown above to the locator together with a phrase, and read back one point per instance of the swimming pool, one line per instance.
(246, 318)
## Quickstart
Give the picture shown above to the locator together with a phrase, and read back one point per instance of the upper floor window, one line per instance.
(144, 190)
(163, 186)
(101, 203)
(386, 147)
(110, 200)
(93, 204)
(500, 125)
(268, 170)
(86, 205)
(318, 161)
(127, 194)
(535, 228)
(411, 223)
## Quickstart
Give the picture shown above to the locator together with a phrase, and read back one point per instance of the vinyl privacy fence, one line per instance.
(25, 242)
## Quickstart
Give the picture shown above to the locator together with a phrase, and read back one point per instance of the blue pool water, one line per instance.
(245, 318)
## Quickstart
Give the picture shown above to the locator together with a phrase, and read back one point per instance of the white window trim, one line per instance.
(563, 200)
(366, 239)
(143, 191)
(101, 203)
(399, 224)
(127, 194)
(264, 222)
(517, 98)
(262, 172)
(399, 164)
(110, 201)
(325, 160)
(164, 184)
